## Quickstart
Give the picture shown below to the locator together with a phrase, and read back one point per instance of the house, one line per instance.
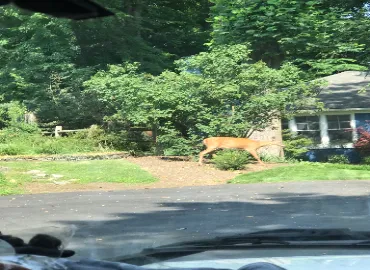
(347, 107)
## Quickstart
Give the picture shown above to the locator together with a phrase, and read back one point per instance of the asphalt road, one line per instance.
(110, 224)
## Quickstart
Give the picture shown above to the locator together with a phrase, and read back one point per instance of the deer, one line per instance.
(215, 143)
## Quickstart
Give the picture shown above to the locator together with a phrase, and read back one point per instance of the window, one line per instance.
(309, 126)
(339, 129)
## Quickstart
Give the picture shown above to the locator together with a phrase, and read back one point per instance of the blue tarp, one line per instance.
(321, 155)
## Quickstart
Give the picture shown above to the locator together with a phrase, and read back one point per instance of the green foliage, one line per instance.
(16, 143)
(49, 147)
(275, 159)
(295, 145)
(306, 171)
(366, 160)
(152, 33)
(228, 97)
(339, 159)
(10, 149)
(94, 132)
(45, 60)
(12, 118)
(231, 160)
(18, 137)
(81, 73)
(172, 144)
(319, 37)
(128, 140)
(7, 187)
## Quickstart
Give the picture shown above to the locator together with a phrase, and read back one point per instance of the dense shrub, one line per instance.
(171, 143)
(93, 132)
(25, 143)
(295, 145)
(275, 159)
(133, 141)
(366, 160)
(231, 160)
(363, 143)
(12, 118)
(10, 149)
(338, 159)
(49, 147)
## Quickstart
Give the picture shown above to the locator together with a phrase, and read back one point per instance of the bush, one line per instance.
(366, 160)
(49, 147)
(295, 145)
(338, 159)
(231, 160)
(174, 145)
(132, 141)
(9, 150)
(34, 143)
(274, 159)
(12, 118)
(93, 132)
(65, 145)
(363, 143)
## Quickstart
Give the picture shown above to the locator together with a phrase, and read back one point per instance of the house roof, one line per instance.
(343, 91)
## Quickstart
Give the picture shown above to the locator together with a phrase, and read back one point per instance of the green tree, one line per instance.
(153, 33)
(316, 35)
(37, 65)
(32, 48)
(215, 93)
(44, 61)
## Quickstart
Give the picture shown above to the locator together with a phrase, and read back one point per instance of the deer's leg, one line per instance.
(201, 154)
(253, 152)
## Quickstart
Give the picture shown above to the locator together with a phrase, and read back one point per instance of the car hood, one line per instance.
(318, 261)
(206, 262)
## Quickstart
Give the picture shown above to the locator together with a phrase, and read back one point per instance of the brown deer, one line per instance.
(246, 144)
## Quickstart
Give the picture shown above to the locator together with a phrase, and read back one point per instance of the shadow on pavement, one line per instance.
(131, 230)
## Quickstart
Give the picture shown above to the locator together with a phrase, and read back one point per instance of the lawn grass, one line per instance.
(305, 172)
(92, 171)
(8, 187)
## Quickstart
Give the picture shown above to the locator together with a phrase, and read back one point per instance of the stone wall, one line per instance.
(72, 157)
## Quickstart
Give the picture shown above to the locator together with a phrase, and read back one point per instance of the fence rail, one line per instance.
(58, 131)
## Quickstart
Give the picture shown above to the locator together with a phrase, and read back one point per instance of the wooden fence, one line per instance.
(59, 132)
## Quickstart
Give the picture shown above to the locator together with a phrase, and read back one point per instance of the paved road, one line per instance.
(110, 224)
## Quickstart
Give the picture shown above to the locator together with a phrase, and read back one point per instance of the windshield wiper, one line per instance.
(283, 238)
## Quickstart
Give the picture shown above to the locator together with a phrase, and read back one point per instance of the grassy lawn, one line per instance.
(14, 174)
(306, 171)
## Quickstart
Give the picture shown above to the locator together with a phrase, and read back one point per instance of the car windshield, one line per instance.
(161, 122)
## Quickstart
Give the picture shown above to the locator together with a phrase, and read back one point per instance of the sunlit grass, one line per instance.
(306, 171)
(113, 171)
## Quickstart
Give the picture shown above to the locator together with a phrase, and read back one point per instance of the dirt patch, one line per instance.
(170, 172)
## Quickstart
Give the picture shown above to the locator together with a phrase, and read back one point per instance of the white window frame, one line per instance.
(324, 134)
(351, 117)
(299, 130)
